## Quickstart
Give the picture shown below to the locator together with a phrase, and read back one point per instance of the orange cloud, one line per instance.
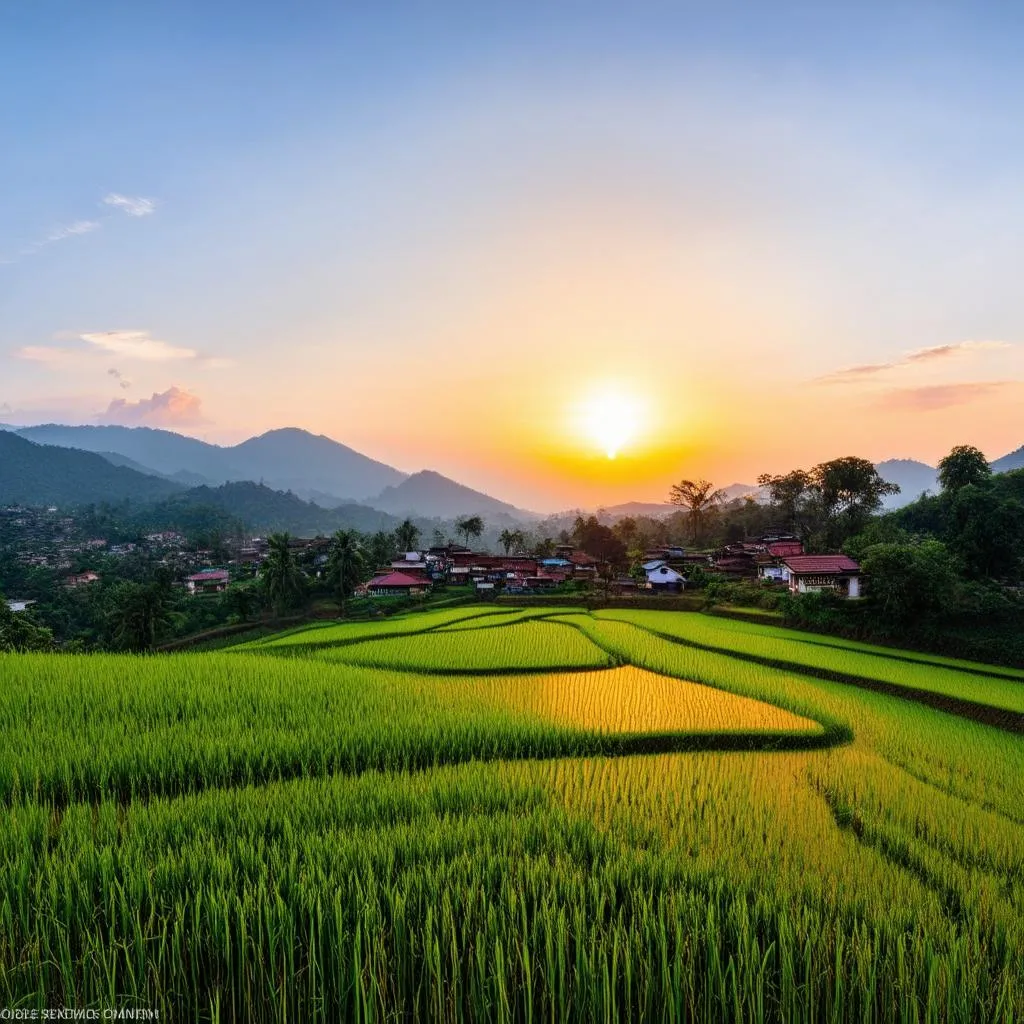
(939, 396)
(174, 407)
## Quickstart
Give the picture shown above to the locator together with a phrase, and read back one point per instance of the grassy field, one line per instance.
(473, 814)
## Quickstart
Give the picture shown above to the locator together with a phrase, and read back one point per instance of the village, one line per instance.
(54, 542)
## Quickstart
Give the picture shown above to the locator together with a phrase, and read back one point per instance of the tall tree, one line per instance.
(599, 541)
(849, 491)
(345, 564)
(407, 535)
(137, 615)
(791, 494)
(506, 539)
(626, 530)
(282, 579)
(469, 526)
(380, 549)
(963, 466)
(697, 497)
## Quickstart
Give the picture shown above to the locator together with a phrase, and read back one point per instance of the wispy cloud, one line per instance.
(939, 396)
(134, 206)
(138, 345)
(933, 354)
(58, 234)
(134, 344)
(122, 381)
(173, 407)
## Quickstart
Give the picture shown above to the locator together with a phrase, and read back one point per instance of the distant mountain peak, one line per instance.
(430, 493)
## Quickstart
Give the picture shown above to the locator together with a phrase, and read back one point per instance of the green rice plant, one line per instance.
(408, 624)
(528, 646)
(994, 687)
(242, 836)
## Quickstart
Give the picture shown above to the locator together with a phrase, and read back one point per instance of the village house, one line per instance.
(815, 573)
(19, 606)
(664, 578)
(396, 584)
(82, 579)
(208, 581)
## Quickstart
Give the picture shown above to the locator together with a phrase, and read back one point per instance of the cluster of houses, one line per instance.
(779, 558)
(415, 572)
(772, 559)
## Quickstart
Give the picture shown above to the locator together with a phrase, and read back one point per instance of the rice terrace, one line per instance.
(541, 814)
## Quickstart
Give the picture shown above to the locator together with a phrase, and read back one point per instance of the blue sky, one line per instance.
(361, 219)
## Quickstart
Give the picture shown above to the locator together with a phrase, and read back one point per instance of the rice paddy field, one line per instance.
(515, 815)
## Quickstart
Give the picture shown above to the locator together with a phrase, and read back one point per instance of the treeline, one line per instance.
(944, 572)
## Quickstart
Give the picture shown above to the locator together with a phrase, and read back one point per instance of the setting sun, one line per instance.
(610, 419)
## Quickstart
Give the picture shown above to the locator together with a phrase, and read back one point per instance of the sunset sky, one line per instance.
(451, 234)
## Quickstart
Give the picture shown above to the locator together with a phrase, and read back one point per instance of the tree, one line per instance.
(848, 492)
(598, 541)
(626, 530)
(137, 615)
(545, 547)
(697, 497)
(988, 533)
(380, 549)
(282, 579)
(911, 584)
(345, 564)
(241, 601)
(18, 632)
(407, 536)
(506, 539)
(791, 494)
(965, 465)
(469, 526)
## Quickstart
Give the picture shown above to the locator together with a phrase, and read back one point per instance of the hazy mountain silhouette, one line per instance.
(38, 474)
(285, 459)
(428, 493)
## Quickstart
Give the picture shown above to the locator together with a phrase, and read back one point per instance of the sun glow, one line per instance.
(611, 419)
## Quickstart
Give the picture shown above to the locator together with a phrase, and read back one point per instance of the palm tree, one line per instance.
(140, 615)
(506, 539)
(283, 580)
(696, 496)
(345, 564)
(407, 535)
(469, 526)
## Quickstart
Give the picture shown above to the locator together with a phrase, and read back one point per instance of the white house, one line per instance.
(664, 577)
(813, 573)
(19, 606)
(773, 571)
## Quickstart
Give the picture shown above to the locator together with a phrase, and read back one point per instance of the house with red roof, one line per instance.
(397, 583)
(209, 581)
(814, 573)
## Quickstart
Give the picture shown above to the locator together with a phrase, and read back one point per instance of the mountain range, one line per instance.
(56, 464)
(917, 478)
(38, 474)
(287, 459)
(427, 493)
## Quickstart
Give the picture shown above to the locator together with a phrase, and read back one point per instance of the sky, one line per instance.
(483, 238)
